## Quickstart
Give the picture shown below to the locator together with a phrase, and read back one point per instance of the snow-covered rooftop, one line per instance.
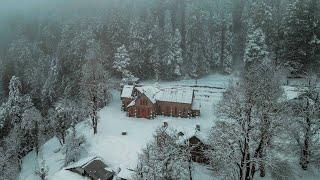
(83, 162)
(193, 132)
(149, 91)
(127, 91)
(196, 105)
(175, 95)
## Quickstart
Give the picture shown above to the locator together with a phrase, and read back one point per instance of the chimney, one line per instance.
(198, 127)
(165, 124)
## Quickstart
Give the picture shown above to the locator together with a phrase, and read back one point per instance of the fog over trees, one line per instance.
(60, 59)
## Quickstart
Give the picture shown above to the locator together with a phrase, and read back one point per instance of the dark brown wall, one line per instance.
(143, 108)
(126, 102)
(198, 150)
(173, 109)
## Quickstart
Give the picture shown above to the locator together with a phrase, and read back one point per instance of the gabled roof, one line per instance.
(149, 91)
(175, 95)
(187, 135)
(127, 91)
(133, 102)
(93, 166)
(98, 170)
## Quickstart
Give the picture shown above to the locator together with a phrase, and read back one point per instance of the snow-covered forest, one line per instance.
(61, 63)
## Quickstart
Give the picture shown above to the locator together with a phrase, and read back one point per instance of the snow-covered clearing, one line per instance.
(122, 151)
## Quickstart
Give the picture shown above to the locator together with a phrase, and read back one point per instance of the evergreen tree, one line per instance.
(302, 27)
(163, 158)
(197, 51)
(256, 51)
(122, 62)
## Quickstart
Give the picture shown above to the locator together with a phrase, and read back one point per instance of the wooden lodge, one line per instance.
(148, 102)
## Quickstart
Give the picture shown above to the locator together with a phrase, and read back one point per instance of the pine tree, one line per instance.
(122, 62)
(197, 51)
(177, 53)
(256, 49)
(301, 29)
(48, 92)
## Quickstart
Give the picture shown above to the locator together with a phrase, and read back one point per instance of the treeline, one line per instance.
(163, 39)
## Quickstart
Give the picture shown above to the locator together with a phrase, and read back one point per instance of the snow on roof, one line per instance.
(125, 173)
(149, 91)
(196, 105)
(132, 103)
(176, 95)
(127, 91)
(82, 162)
(202, 136)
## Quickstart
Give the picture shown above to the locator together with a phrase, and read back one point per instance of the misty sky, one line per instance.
(10, 8)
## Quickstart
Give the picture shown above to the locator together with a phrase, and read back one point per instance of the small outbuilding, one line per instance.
(93, 168)
(197, 142)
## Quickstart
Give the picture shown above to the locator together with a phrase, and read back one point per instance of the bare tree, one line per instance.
(94, 85)
(305, 124)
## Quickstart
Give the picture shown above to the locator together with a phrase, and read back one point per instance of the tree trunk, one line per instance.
(190, 169)
(94, 125)
(238, 44)
(245, 161)
(305, 151)
(259, 152)
(94, 117)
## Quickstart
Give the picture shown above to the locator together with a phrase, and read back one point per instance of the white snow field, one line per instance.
(120, 151)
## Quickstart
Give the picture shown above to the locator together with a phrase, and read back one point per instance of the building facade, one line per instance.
(148, 102)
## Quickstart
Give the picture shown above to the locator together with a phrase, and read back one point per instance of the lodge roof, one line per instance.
(175, 95)
(149, 91)
(127, 91)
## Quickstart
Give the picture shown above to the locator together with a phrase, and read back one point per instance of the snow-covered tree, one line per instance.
(256, 49)
(304, 126)
(31, 125)
(48, 94)
(66, 113)
(122, 62)
(250, 117)
(73, 147)
(163, 158)
(302, 26)
(197, 51)
(95, 89)
(177, 53)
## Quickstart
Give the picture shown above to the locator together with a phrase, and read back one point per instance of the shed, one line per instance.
(93, 168)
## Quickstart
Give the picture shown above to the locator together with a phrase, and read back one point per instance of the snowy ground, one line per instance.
(122, 151)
